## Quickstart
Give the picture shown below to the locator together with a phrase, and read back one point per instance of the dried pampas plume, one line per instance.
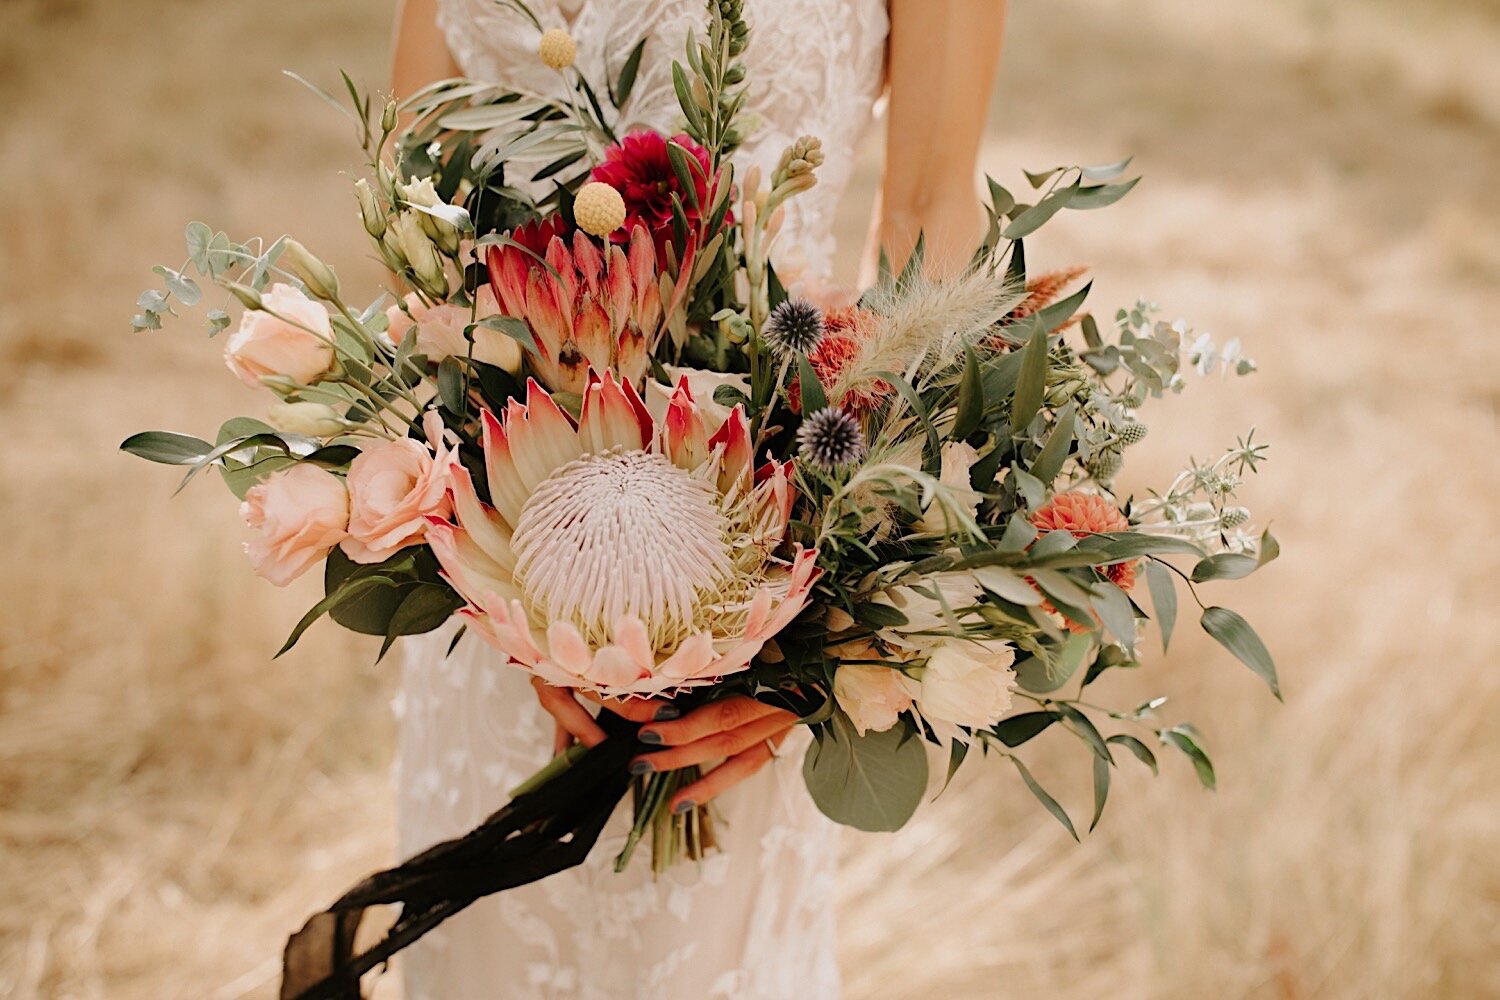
(923, 324)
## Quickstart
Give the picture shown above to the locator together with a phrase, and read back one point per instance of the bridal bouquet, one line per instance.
(600, 428)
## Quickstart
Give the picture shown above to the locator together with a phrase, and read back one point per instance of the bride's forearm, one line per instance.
(419, 53)
(942, 62)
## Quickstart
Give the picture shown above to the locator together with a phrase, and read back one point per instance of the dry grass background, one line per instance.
(1320, 183)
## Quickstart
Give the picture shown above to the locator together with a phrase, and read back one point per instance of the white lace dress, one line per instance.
(755, 920)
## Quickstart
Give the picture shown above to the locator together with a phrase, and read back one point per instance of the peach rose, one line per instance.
(394, 486)
(298, 515)
(872, 696)
(440, 331)
(966, 683)
(271, 345)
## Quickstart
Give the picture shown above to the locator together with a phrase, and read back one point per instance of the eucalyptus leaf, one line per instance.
(1019, 729)
(1101, 790)
(970, 408)
(1184, 740)
(1163, 598)
(1142, 752)
(1031, 383)
(1049, 461)
(872, 782)
(1007, 584)
(166, 447)
(810, 388)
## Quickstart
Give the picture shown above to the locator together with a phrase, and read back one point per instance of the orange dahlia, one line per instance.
(1086, 514)
(844, 330)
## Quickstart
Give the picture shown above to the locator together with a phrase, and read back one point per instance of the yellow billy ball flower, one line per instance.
(557, 48)
(599, 210)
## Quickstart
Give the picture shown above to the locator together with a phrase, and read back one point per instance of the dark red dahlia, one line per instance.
(637, 167)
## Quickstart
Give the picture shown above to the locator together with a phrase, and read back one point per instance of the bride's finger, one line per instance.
(719, 746)
(715, 717)
(722, 778)
(636, 709)
(571, 716)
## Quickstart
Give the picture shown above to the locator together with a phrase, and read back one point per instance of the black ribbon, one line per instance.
(536, 834)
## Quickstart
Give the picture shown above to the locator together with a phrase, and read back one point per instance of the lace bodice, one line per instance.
(755, 920)
(814, 68)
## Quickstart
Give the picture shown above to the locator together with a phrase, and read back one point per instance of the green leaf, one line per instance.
(970, 399)
(1101, 789)
(872, 782)
(1008, 584)
(1019, 729)
(913, 265)
(1036, 178)
(424, 607)
(1142, 752)
(1123, 545)
(679, 157)
(1049, 461)
(1106, 171)
(1091, 332)
(1163, 599)
(1045, 674)
(1236, 565)
(450, 386)
(1046, 800)
(348, 591)
(811, 389)
(879, 615)
(1184, 741)
(690, 109)
(1002, 200)
(166, 447)
(1032, 219)
(1113, 608)
(516, 329)
(1060, 312)
(199, 237)
(626, 83)
(1236, 635)
(1019, 533)
(957, 751)
(1031, 383)
(1086, 731)
(1100, 195)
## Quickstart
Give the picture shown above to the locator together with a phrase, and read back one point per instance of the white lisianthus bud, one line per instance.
(312, 419)
(557, 48)
(388, 117)
(390, 249)
(838, 620)
(872, 696)
(421, 254)
(249, 297)
(369, 209)
(966, 683)
(316, 275)
(598, 209)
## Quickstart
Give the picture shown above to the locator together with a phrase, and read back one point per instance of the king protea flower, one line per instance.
(594, 309)
(619, 555)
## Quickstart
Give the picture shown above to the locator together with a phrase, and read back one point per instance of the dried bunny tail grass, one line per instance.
(923, 323)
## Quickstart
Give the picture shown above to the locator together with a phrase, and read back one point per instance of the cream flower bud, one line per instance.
(598, 209)
(421, 191)
(872, 696)
(421, 254)
(316, 275)
(312, 419)
(388, 117)
(557, 48)
(249, 297)
(369, 209)
(966, 683)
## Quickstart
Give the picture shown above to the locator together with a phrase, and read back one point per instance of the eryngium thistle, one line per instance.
(794, 327)
(831, 439)
(1131, 433)
(1103, 465)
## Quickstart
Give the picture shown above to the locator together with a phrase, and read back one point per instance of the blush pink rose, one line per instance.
(872, 696)
(272, 345)
(440, 330)
(298, 515)
(394, 486)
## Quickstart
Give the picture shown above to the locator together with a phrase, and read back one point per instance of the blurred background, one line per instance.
(1320, 182)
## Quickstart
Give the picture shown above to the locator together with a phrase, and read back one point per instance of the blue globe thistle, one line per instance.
(831, 439)
(795, 326)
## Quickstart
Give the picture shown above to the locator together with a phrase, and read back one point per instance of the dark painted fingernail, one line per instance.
(648, 736)
(641, 767)
(686, 805)
(667, 712)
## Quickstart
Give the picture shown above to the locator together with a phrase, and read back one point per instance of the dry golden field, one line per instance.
(1320, 182)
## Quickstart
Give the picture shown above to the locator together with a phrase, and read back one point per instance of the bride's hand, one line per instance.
(739, 729)
(575, 723)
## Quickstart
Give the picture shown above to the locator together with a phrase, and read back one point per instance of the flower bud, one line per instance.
(316, 275)
(312, 419)
(390, 250)
(370, 212)
(422, 192)
(557, 48)
(249, 297)
(388, 117)
(421, 255)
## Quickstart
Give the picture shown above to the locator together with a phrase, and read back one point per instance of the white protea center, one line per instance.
(622, 554)
(626, 533)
